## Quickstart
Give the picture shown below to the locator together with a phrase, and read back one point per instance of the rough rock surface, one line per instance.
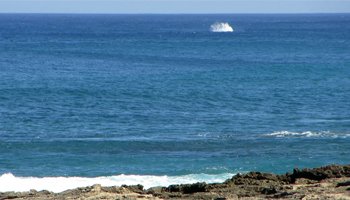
(329, 182)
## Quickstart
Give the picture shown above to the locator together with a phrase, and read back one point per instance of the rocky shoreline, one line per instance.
(329, 182)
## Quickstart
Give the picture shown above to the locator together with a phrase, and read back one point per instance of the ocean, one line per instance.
(162, 99)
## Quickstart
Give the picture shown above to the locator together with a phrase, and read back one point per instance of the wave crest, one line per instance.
(221, 27)
(323, 134)
(9, 182)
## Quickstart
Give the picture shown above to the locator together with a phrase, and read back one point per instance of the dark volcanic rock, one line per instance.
(255, 178)
(342, 184)
(318, 174)
(193, 188)
(188, 188)
(269, 190)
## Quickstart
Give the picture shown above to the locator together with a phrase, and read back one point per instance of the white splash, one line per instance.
(323, 134)
(221, 27)
(9, 182)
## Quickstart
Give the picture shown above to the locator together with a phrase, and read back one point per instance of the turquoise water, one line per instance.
(102, 95)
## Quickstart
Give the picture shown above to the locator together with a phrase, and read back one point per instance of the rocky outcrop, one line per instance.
(329, 182)
(318, 174)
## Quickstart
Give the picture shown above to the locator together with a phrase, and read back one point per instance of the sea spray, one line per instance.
(221, 27)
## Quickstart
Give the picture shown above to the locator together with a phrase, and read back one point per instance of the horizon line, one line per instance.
(176, 13)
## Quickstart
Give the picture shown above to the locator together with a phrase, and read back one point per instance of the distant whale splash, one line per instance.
(221, 27)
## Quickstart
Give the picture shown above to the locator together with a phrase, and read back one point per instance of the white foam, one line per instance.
(310, 134)
(221, 27)
(9, 182)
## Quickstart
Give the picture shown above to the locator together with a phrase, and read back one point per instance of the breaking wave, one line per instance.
(221, 27)
(9, 182)
(310, 134)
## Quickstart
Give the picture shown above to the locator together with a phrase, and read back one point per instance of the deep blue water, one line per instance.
(97, 95)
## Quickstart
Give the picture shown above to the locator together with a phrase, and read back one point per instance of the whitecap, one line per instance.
(308, 134)
(221, 27)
